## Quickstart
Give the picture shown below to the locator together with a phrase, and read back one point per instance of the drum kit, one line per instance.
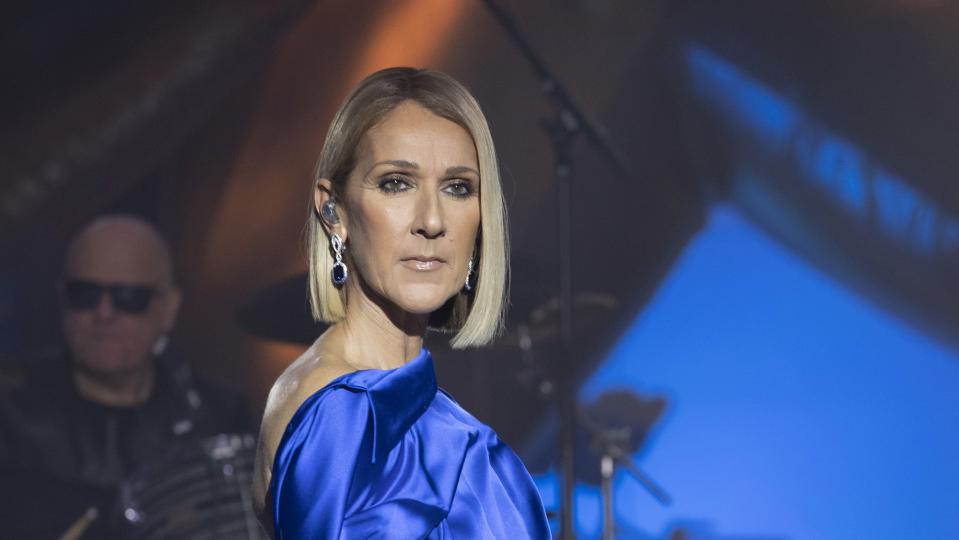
(201, 490)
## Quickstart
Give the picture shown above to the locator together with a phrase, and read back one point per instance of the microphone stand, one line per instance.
(568, 121)
(612, 445)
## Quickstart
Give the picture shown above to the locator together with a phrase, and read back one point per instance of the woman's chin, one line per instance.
(420, 300)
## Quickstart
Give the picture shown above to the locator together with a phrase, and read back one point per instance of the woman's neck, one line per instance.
(369, 337)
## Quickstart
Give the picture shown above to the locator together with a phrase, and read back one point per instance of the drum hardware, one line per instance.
(541, 331)
(281, 312)
(617, 424)
(200, 491)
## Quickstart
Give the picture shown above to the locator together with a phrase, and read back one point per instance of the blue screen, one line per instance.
(796, 409)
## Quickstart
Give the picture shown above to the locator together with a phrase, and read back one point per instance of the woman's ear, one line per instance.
(328, 209)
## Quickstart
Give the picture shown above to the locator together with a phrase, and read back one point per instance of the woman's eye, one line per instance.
(394, 184)
(459, 190)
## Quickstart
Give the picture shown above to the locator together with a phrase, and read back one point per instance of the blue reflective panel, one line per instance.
(739, 97)
(838, 167)
(797, 409)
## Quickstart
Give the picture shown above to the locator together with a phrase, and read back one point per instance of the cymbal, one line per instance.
(281, 312)
(541, 324)
(618, 417)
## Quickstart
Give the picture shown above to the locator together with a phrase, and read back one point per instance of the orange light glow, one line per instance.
(410, 33)
(272, 357)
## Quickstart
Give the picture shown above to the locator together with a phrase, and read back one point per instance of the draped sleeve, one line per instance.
(315, 463)
(383, 454)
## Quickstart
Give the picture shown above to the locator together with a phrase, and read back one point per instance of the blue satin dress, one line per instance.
(383, 454)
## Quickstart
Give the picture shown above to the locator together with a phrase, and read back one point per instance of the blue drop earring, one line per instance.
(339, 272)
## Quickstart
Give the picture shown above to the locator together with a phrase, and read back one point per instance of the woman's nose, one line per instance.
(429, 216)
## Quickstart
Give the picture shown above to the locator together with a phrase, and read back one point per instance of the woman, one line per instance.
(407, 232)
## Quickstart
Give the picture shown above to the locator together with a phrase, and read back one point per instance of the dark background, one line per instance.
(206, 119)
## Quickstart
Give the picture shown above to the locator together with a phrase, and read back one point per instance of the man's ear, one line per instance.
(171, 308)
(328, 208)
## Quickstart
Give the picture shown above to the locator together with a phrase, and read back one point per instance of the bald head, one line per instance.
(111, 344)
(120, 249)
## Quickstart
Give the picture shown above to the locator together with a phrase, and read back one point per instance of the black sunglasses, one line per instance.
(82, 295)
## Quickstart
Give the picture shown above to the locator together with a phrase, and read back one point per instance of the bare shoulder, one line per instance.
(304, 377)
(307, 374)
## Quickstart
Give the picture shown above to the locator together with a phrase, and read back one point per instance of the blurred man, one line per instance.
(115, 401)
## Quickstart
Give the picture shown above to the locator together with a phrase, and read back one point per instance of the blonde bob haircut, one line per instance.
(477, 316)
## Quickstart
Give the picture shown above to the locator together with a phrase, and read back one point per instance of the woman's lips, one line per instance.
(422, 264)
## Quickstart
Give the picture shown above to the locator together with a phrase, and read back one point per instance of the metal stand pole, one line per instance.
(562, 143)
(566, 124)
(606, 470)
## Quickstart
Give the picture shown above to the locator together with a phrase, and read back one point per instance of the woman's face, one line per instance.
(412, 208)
